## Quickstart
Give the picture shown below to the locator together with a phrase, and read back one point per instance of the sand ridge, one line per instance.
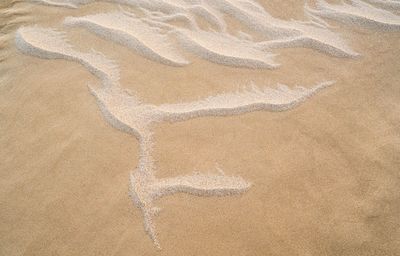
(31, 40)
(206, 44)
(392, 5)
(127, 113)
(217, 45)
(358, 13)
(132, 33)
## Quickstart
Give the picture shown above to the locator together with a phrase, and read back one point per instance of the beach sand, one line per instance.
(325, 175)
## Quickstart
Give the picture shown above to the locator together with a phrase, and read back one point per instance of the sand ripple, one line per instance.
(128, 114)
(133, 33)
(359, 13)
(153, 34)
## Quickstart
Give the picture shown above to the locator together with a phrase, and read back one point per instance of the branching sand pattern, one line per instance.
(126, 113)
(149, 35)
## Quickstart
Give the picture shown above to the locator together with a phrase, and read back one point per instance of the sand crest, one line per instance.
(358, 13)
(162, 30)
(132, 33)
(129, 115)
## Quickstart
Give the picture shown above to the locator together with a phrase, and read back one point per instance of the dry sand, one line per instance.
(325, 175)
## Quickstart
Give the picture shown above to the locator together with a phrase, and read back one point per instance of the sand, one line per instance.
(323, 176)
(359, 13)
(128, 114)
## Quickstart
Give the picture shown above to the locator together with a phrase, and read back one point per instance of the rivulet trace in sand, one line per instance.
(173, 33)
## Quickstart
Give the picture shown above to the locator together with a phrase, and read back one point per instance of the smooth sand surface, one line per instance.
(325, 176)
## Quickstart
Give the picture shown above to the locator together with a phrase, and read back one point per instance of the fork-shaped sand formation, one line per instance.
(149, 34)
(128, 114)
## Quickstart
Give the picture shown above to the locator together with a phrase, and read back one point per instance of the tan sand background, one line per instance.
(325, 175)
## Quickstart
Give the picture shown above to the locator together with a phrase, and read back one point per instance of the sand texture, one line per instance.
(175, 127)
